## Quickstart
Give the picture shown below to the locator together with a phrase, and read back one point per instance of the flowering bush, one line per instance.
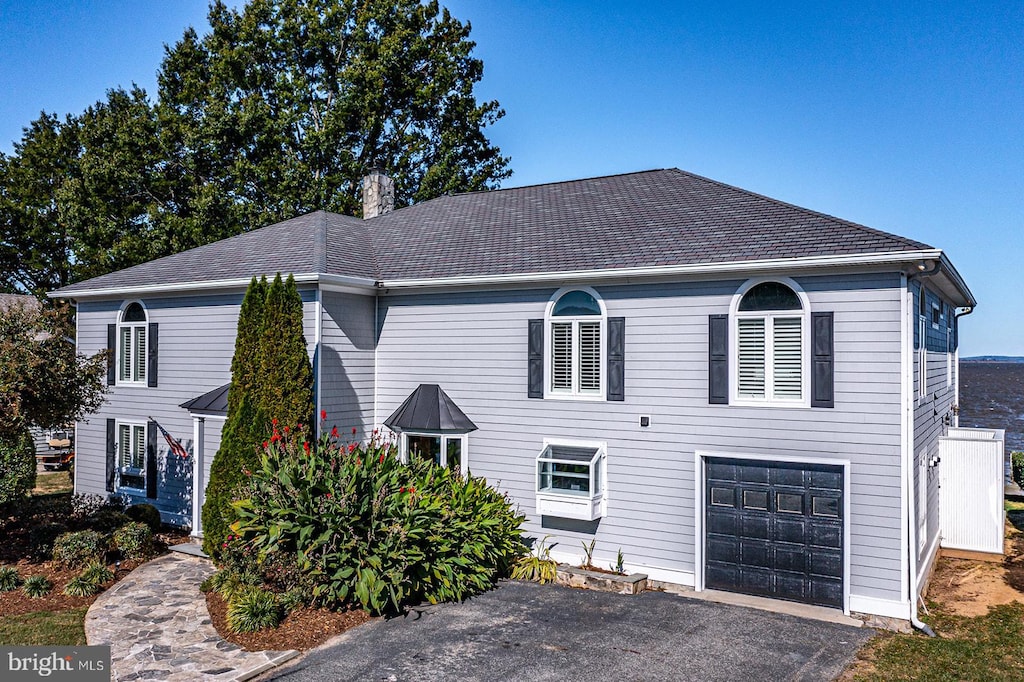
(363, 527)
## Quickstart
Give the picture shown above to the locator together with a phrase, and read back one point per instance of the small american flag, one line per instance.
(175, 445)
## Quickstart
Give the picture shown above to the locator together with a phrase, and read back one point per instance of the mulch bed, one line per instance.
(16, 602)
(302, 629)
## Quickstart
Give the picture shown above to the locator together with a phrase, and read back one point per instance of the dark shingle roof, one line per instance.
(646, 219)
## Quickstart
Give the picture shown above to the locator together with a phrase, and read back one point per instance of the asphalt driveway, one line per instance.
(525, 631)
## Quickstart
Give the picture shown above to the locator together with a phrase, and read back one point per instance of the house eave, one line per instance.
(334, 282)
(898, 259)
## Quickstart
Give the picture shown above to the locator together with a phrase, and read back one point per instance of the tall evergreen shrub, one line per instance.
(271, 378)
(17, 467)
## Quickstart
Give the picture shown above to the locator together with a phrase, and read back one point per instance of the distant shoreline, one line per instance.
(994, 359)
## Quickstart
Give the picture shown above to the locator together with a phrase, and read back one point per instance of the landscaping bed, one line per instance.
(54, 618)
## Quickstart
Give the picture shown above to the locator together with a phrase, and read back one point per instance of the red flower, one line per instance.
(351, 448)
(381, 460)
(323, 415)
(274, 421)
(359, 462)
(298, 426)
(305, 446)
(276, 437)
(402, 489)
(286, 429)
(353, 430)
(264, 444)
(327, 495)
(412, 490)
(334, 432)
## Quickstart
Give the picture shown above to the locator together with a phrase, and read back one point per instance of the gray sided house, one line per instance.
(738, 393)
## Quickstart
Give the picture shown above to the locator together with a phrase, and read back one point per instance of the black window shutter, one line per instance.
(718, 359)
(111, 354)
(822, 362)
(154, 347)
(535, 378)
(151, 470)
(917, 319)
(616, 358)
(111, 453)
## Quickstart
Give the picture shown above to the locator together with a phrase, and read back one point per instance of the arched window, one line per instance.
(771, 349)
(132, 345)
(576, 331)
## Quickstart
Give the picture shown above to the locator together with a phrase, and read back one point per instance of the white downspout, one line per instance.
(198, 446)
(907, 452)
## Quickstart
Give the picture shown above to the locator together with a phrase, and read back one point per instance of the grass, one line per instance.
(52, 482)
(44, 628)
(989, 647)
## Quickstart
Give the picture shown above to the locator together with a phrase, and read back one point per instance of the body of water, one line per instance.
(992, 397)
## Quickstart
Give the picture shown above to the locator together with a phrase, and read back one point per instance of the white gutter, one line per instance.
(787, 264)
(207, 285)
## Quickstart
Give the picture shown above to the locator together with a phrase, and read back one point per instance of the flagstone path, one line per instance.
(156, 623)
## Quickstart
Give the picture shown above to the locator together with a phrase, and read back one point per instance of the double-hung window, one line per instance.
(131, 455)
(771, 345)
(132, 345)
(575, 357)
(571, 480)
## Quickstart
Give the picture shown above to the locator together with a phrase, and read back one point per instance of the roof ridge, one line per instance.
(320, 243)
(551, 183)
(803, 209)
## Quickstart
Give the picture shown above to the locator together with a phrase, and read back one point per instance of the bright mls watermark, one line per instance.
(79, 663)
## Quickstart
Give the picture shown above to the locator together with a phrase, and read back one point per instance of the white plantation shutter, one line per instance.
(561, 356)
(139, 452)
(140, 354)
(750, 373)
(125, 371)
(590, 357)
(788, 351)
(124, 444)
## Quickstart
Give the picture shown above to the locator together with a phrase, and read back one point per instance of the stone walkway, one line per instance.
(156, 623)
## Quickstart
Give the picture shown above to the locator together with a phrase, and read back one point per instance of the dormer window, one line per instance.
(132, 345)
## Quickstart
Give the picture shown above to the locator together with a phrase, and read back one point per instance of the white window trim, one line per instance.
(564, 505)
(805, 341)
(549, 320)
(144, 325)
(463, 438)
(119, 469)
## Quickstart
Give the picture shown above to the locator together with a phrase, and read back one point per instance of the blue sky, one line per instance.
(907, 117)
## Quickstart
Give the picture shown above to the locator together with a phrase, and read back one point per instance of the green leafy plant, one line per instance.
(1017, 467)
(365, 528)
(144, 513)
(588, 552)
(80, 586)
(619, 561)
(537, 566)
(254, 609)
(134, 539)
(37, 586)
(72, 550)
(17, 451)
(10, 579)
(41, 539)
(97, 572)
(107, 519)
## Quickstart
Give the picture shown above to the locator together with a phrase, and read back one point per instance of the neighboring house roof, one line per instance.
(429, 408)
(646, 220)
(8, 301)
(214, 402)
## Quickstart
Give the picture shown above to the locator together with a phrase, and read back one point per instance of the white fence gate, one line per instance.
(971, 473)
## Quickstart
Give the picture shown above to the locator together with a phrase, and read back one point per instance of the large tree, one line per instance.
(280, 109)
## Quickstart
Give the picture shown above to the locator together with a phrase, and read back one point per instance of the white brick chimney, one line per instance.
(378, 194)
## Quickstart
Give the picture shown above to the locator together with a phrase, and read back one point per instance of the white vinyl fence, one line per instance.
(971, 476)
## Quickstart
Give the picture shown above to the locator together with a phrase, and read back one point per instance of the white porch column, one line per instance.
(198, 485)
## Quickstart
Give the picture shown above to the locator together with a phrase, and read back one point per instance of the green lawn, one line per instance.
(44, 628)
(52, 482)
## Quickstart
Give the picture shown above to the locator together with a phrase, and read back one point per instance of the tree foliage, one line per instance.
(280, 109)
(271, 379)
(44, 382)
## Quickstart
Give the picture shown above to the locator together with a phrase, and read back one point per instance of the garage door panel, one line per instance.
(757, 527)
(776, 531)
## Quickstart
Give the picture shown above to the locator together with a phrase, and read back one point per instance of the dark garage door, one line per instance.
(775, 529)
